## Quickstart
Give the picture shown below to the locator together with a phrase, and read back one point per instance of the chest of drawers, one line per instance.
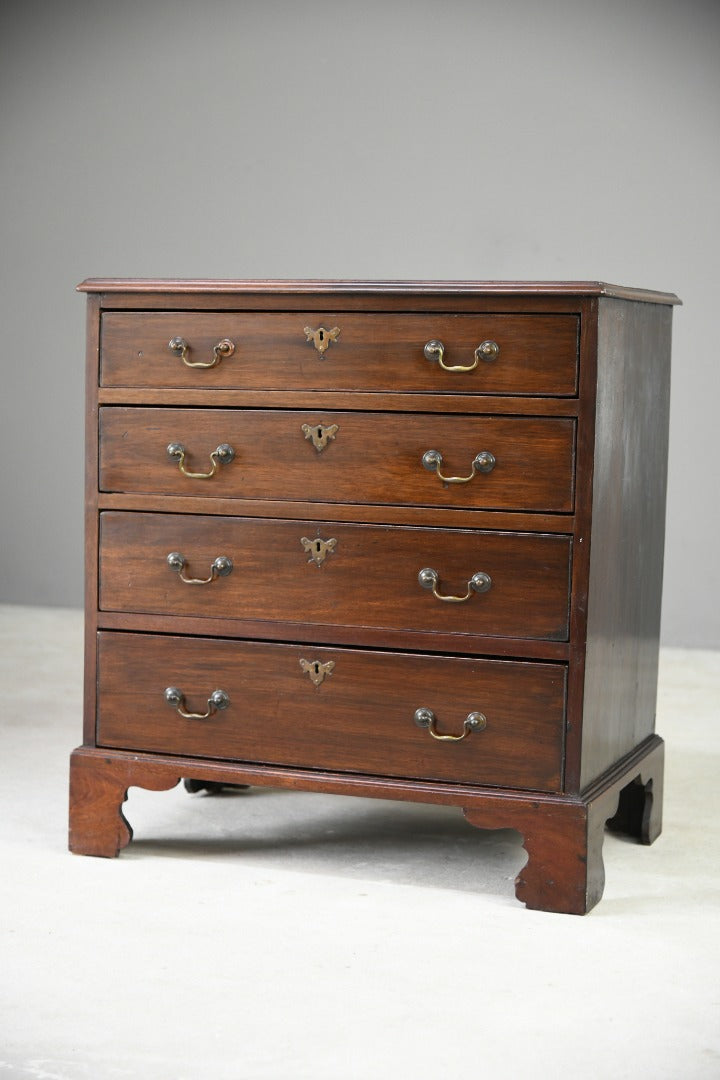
(398, 540)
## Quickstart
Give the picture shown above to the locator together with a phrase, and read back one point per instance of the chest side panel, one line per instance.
(628, 521)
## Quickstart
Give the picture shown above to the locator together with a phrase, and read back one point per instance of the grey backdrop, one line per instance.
(222, 138)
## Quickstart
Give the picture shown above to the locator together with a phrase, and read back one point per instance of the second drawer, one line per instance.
(495, 462)
(336, 574)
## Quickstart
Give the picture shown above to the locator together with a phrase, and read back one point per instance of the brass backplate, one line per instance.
(319, 435)
(318, 549)
(321, 338)
(316, 670)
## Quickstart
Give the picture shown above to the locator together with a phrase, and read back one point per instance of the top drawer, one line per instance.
(490, 354)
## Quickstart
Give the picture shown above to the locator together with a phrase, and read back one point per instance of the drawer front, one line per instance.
(509, 463)
(336, 709)
(536, 354)
(334, 574)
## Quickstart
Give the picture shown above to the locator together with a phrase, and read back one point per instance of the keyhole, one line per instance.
(316, 667)
(321, 335)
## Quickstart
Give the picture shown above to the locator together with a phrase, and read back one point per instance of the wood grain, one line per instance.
(324, 303)
(369, 580)
(298, 510)
(92, 520)
(360, 719)
(373, 458)
(564, 872)
(371, 637)
(538, 354)
(525, 290)
(626, 554)
(582, 536)
(389, 401)
(560, 653)
(98, 788)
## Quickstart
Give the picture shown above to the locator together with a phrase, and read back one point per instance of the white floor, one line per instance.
(287, 936)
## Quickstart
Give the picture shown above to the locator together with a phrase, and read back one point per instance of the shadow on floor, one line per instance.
(400, 843)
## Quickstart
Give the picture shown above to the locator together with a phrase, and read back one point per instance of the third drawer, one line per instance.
(513, 585)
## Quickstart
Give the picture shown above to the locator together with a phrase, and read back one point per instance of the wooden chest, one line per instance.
(401, 540)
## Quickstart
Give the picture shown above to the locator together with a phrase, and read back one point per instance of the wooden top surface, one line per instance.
(427, 288)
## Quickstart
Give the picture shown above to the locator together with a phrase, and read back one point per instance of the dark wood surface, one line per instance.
(325, 303)
(626, 554)
(372, 513)
(564, 871)
(92, 350)
(370, 579)
(98, 789)
(538, 353)
(569, 526)
(359, 719)
(373, 458)
(390, 401)
(372, 637)
(582, 536)
(478, 289)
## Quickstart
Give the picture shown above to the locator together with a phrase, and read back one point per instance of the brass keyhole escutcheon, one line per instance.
(319, 435)
(318, 549)
(316, 670)
(322, 338)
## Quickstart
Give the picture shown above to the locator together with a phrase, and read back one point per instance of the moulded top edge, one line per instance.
(427, 288)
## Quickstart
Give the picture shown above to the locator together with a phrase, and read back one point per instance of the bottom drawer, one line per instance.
(347, 710)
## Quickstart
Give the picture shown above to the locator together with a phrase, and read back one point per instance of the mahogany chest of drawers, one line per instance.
(401, 540)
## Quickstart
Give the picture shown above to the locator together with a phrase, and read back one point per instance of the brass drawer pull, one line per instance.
(321, 338)
(479, 583)
(483, 462)
(175, 697)
(221, 567)
(487, 350)
(474, 721)
(180, 346)
(222, 456)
